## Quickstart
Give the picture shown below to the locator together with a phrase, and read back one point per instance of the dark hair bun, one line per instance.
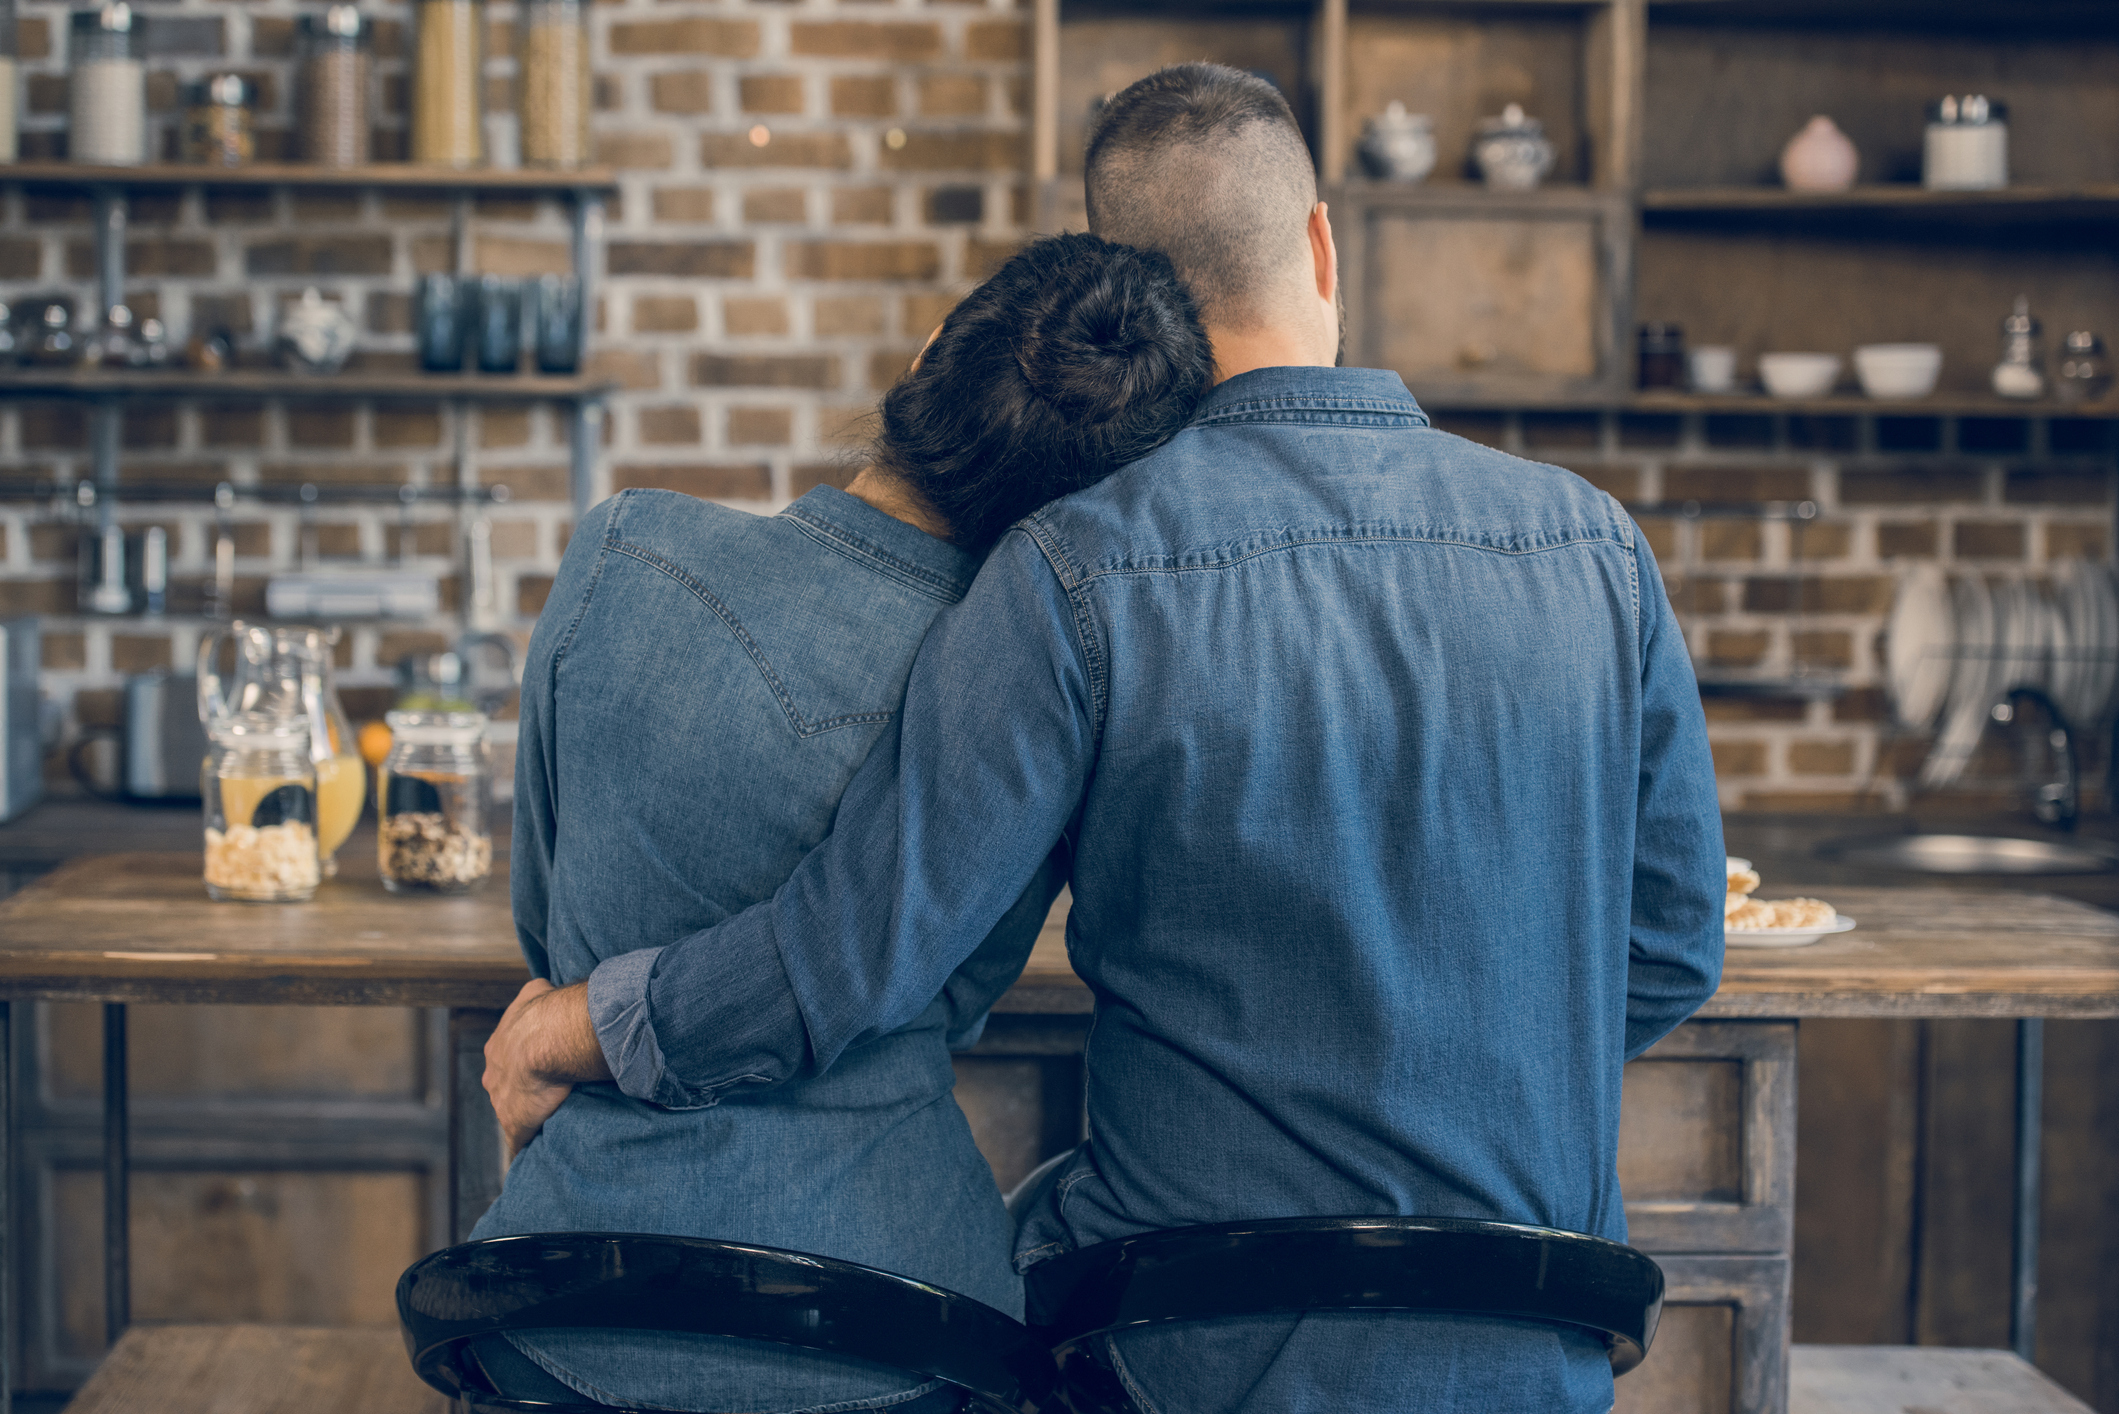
(1078, 356)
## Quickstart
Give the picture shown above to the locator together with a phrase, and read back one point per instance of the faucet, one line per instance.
(2055, 803)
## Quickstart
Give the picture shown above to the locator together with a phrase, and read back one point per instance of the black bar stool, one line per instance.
(628, 1281)
(1289, 1266)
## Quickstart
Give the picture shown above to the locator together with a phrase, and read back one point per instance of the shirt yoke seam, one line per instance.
(875, 557)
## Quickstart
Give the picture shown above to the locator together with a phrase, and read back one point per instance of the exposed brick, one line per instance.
(686, 91)
(1734, 648)
(769, 93)
(253, 538)
(36, 596)
(952, 95)
(54, 542)
(146, 259)
(810, 475)
(751, 482)
(784, 205)
(1839, 594)
(1829, 434)
(837, 315)
(998, 41)
(955, 152)
(2069, 541)
(864, 96)
(1862, 704)
(665, 314)
(100, 707)
(1489, 429)
(172, 36)
(65, 652)
(862, 260)
(669, 426)
(320, 255)
(760, 427)
(956, 206)
(504, 427)
(21, 259)
(338, 542)
(1989, 539)
(1730, 540)
(853, 426)
(749, 316)
(1916, 537)
(230, 311)
(889, 42)
(320, 425)
(2062, 486)
(1821, 540)
(1562, 429)
(366, 473)
(429, 538)
(636, 150)
(1739, 758)
(688, 204)
(733, 39)
(861, 206)
(1753, 709)
(982, 258)
(710, 260)
(406, 426)
(55, 425)
(530, 593)
(324, 204)
(1736, 484)
(1911, 485)
(887, 366)
(147, 425)
(389, 312)
(765, 371)
(783, 149)
(33, 38)
(1662, 536)
(635, 368)
(1824, 647)
(514, 539)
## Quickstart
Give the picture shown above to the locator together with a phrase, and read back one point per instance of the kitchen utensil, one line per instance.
(440, 322)
(109, 594)
(21, 716)
(154, 569)
(1903, 371)
(2085, 375)
(1512, 151)
(1917, 642)
(1398, 146)
(1662, 356)
(1712, 368)
(1819, 158)
(353, 594)
(1798, 375)
(497, 328)
(2021, 371)
(316, 335)
(1785, 937)
(1966, 145)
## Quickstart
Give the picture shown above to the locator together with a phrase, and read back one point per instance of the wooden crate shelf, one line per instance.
(267, 383)
(395, 176)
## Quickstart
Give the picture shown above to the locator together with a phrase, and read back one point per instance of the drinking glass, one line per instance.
(498, 331)
(555, 322)
(438, 318)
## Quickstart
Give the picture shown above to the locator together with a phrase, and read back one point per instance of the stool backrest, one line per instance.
(1448, 1266)
(640, 1282)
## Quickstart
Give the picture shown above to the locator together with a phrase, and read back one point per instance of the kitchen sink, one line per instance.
(1970, 854)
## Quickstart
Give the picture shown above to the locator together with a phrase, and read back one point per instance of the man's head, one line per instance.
(1206, 164)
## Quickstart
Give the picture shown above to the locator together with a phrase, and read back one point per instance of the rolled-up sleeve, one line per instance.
(936, 838)
(1675, 960)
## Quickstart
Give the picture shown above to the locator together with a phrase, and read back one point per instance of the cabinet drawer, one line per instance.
(1722, 1345)
(1707, 1139)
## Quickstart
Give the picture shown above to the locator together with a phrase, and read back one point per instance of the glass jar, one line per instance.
(1662, 362)
(436, 788)
(10, 101)
(260, 791)
(498, 329)
(334, 87)
(556, 97)
(2021, 371)
(448, 84)
(219, 129)
(108, 89)
(2085, 374)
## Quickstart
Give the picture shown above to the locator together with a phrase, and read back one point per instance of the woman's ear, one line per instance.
(924, 348)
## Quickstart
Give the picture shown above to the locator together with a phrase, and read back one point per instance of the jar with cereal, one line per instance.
(435, 790)
(260, 790)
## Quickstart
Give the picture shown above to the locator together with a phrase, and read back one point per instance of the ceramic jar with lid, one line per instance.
(107, 91)
(436, 793)
(1512, 150)
(1966, 146)
(1398, 146)
(1819, 158)
(259, 787)
(317, 336)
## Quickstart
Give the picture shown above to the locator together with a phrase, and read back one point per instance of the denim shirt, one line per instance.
(700, 687)
(1394, 835)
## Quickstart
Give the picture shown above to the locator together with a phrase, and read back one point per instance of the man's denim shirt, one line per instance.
(1394, 833)
(701, 686)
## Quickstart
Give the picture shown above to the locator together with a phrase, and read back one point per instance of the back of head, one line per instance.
(1077, 357)
(1206, 164)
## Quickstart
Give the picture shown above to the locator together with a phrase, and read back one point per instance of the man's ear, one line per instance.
(1324, 255)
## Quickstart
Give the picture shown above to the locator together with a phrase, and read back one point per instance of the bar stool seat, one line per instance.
(1289, 1266)
(698, 1286)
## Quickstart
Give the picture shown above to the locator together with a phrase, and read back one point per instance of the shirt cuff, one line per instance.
(618, 1011)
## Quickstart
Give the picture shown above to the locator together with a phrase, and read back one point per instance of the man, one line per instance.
(1392, 816)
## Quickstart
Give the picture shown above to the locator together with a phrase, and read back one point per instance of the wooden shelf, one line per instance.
(2011, 206)
(398, 176)
(2015, 18)
(1473, 397)
(1557, 198)
(269, 383)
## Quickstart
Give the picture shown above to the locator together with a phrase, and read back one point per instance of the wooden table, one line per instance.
(138, 927)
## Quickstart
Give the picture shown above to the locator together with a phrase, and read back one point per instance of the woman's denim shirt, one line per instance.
(1394, 834)
(700, 687)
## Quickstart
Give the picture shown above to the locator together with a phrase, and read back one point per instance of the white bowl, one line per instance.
(1798, 375)
(1898, 370)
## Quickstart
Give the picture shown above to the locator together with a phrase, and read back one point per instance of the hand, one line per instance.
(543, 1046)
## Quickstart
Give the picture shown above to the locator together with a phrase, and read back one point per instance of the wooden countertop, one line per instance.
(139, 927)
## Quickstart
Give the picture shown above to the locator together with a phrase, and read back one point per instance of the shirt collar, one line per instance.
(1309, 388)
(861, 526)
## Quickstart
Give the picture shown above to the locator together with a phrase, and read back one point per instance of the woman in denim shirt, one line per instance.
(700, 687)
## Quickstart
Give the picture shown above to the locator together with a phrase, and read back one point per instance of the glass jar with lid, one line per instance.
(555, 83)
(334, 87)
(219, 129)
(260, 791)
(435, 795)
(107, 91)
(10, 102)
(448, 82)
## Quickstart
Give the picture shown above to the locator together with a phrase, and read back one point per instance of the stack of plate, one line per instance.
(1956, 645)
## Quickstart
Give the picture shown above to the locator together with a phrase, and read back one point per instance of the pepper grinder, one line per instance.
(2020, 374)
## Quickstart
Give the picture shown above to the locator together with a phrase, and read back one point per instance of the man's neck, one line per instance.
(895, 499)
(1239, 351)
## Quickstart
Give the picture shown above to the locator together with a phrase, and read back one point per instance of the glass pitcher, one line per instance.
(286, 672)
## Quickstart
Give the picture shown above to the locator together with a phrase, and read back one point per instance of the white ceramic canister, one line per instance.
(8, 103)
(108, 89)
(1398, 146)
(1967, 145)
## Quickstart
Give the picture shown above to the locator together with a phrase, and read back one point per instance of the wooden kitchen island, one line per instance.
(1707, 1155)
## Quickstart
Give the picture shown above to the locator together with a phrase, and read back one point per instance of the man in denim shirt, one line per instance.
(1393, 821)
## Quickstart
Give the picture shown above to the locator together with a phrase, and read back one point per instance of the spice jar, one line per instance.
(448, 109)
(260, 790)
(218, 126)
(9, 50)
(334, 87)
(435, 789)
(2021, 371)
(2085, 374)
(1662, 360)
(108, 90)
(555, 83)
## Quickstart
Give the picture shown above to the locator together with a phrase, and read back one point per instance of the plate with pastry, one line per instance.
(1782, 923)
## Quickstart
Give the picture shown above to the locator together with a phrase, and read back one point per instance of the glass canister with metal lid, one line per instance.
(260, 791)
(107, 90)
(219, 129)
(448, 83)
(555, 83)
(334, 87)
(435, 798)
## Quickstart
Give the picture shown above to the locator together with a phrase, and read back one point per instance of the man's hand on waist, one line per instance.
(543, 1047)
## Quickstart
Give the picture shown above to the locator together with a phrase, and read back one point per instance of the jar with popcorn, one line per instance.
(435, 793)
(260, 791)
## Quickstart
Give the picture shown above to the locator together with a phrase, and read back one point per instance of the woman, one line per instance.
(701, 686)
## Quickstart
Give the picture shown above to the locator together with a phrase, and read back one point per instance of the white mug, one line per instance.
(1713, 368)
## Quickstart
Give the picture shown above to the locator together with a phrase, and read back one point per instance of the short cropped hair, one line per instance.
(1078, 356)
(1206, 164)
